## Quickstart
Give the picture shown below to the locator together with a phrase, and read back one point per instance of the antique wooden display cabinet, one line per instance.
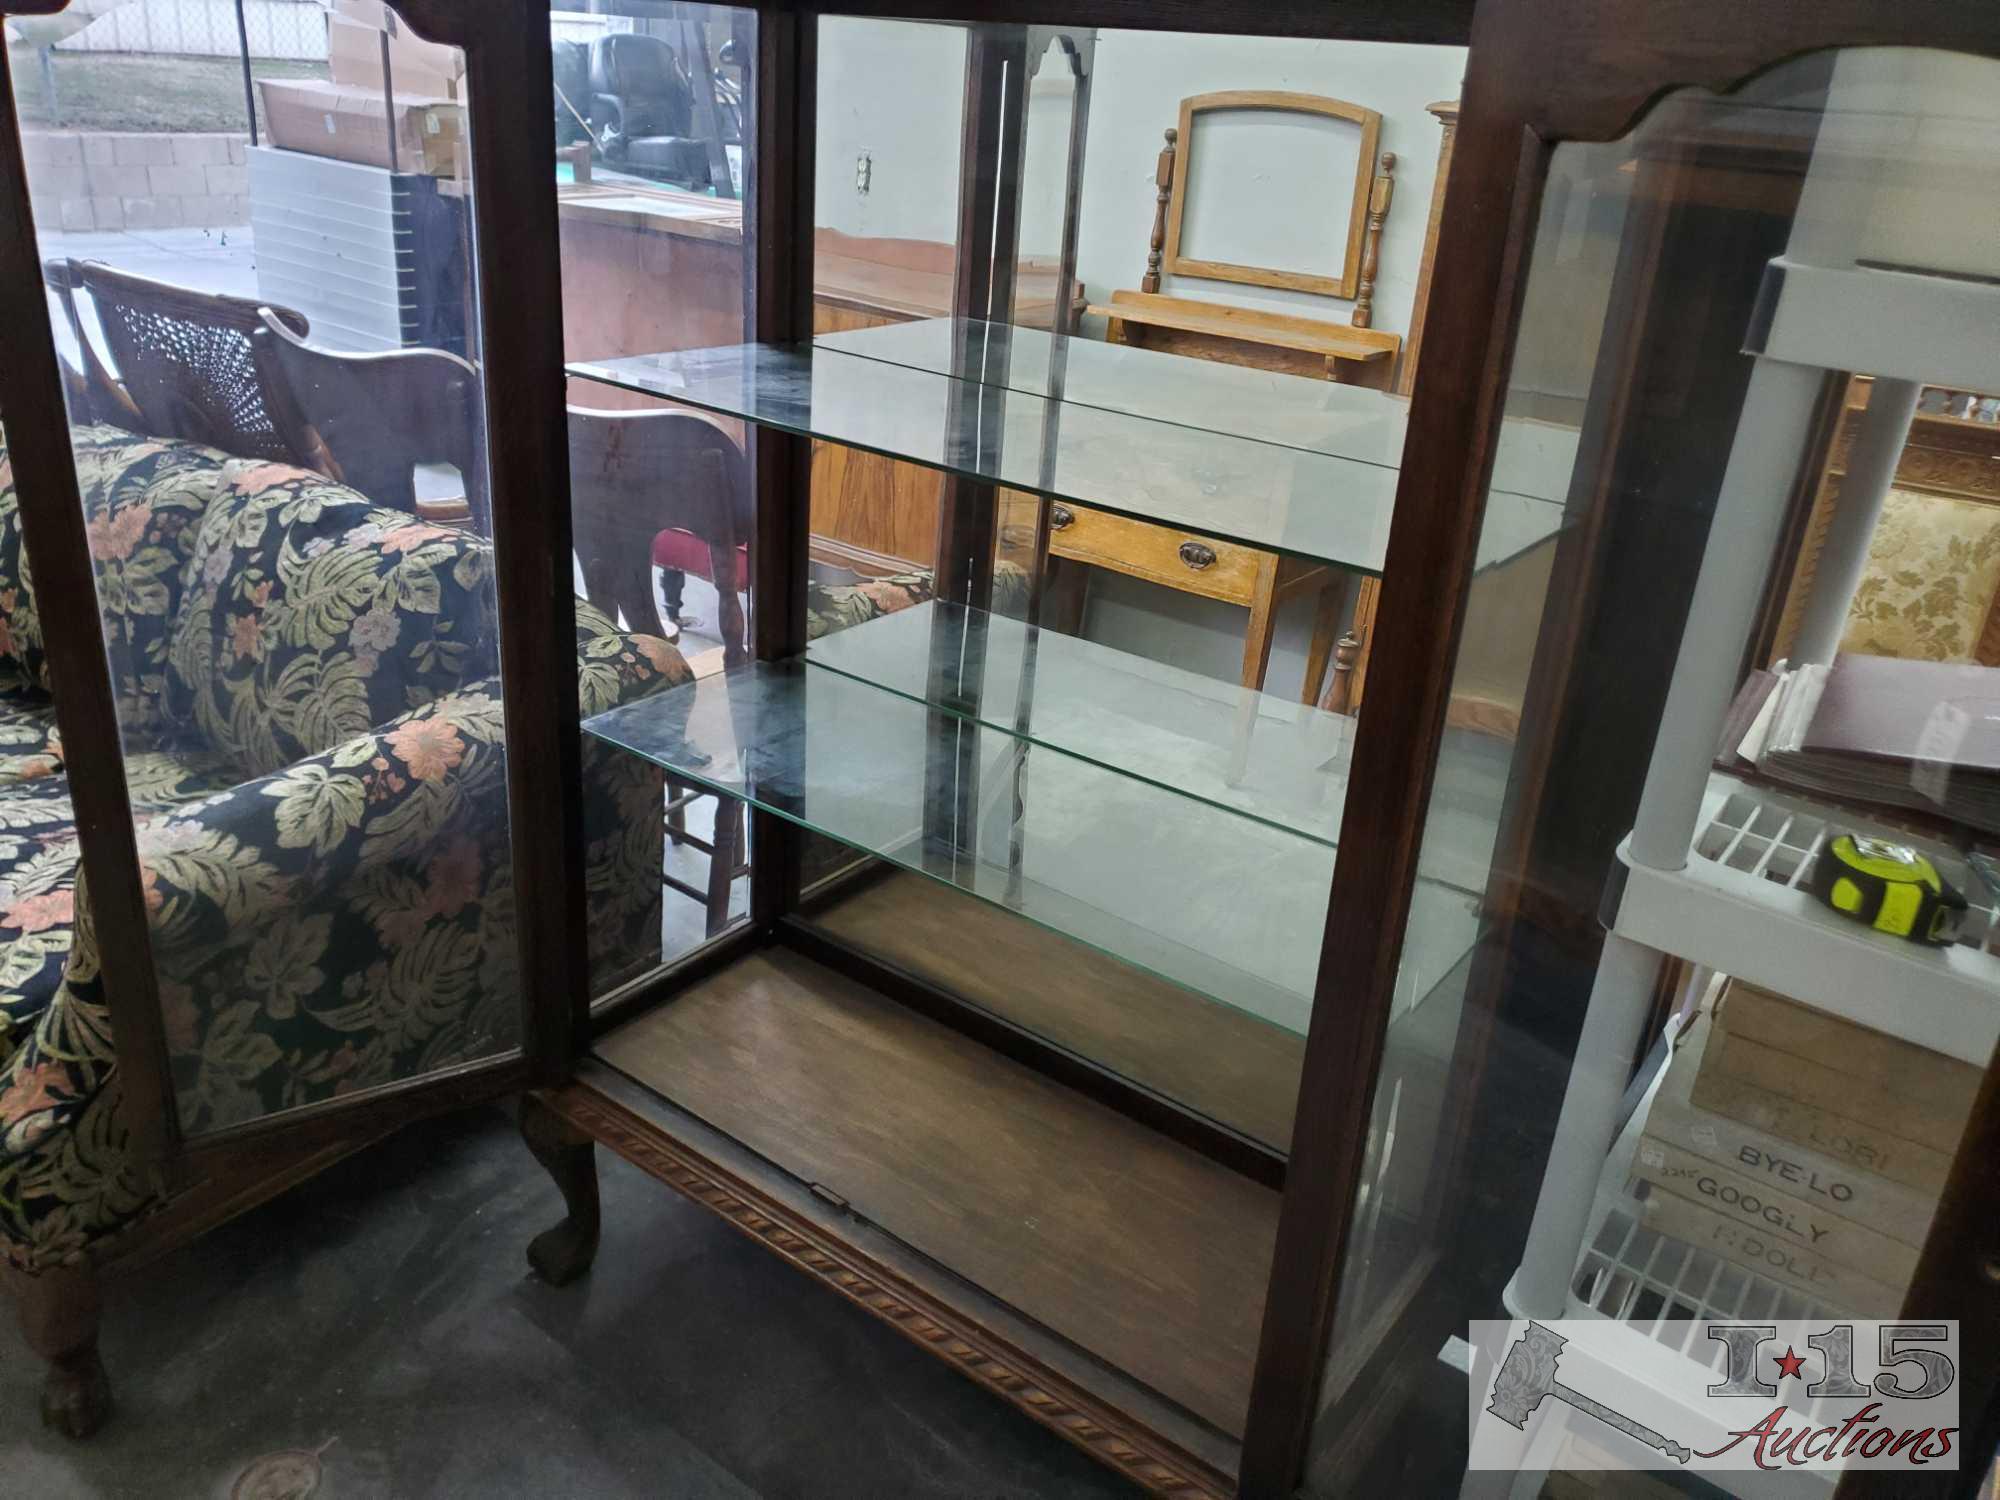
(1179, 1062)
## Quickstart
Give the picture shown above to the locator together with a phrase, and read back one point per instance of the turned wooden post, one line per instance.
(1340, 690)
(1163, 179)
(1371, 253)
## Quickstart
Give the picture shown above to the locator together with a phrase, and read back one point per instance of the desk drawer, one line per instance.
(1178, 559)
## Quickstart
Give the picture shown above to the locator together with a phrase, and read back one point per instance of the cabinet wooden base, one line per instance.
(1128, 1429)
(1099, 1276)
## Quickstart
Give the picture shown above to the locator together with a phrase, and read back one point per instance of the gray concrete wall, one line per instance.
(82, 180)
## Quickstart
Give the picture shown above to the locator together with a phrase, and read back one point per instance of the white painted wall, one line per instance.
(893, 91)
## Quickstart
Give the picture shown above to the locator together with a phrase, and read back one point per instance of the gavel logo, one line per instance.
(1528, 1374)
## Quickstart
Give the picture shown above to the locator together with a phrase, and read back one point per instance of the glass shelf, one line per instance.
(1533, 460)
(1262, 757)
(1267, 406)
(1258, 756)
(1273, 495)
(1134, 868)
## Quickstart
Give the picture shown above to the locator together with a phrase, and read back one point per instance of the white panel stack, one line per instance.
(334, 241)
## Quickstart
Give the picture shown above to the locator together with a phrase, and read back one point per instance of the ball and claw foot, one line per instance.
(76, 1397)
(562, 1254)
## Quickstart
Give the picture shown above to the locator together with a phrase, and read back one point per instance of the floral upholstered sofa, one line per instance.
(312, 736)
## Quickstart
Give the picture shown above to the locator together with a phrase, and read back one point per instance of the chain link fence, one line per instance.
(290, 30)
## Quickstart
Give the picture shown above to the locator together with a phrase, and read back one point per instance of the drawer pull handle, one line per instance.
(1060, 517)
(1197, 555)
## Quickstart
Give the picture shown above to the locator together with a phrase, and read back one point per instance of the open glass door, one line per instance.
(1722, 1052)
(289, 537)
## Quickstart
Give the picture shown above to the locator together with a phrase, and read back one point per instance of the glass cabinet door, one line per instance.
(270, 342)
(652, 187)
(1716, 1049)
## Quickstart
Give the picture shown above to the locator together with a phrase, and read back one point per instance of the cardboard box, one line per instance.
(1837, 1288)
(1835, 1184)
(1930, 1118)
(1760, 1206)
(350, 124)
(1859, 1143)
(420, 69)
(1879, 1060)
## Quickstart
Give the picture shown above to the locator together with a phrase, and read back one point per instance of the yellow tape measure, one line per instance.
(1891, 887)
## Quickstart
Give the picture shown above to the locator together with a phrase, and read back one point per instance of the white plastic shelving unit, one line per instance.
(1739, 905)
(1713, 869)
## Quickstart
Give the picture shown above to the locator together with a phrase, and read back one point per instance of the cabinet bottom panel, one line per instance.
(1104, 1279)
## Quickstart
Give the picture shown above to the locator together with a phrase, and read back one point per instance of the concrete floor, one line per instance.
(383, 1315)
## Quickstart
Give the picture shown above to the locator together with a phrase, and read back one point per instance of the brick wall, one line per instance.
(83, 180)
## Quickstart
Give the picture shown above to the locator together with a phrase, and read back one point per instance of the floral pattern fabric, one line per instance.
(332, 906)
(29, 746)
(1929, 584)
(313, 614)
(23, 667)
(142, 499)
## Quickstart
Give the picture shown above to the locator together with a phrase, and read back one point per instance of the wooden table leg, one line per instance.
(1263, 622)
(1065, 592)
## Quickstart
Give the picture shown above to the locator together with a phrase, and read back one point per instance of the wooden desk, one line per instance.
(646, 269)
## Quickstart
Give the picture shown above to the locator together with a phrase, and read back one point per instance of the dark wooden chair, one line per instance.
(177, 362)
(89, 392)
(636, 476)
(369, 420)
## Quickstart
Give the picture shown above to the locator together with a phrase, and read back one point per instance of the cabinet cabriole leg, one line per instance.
(562, 1254)
(59, 1311)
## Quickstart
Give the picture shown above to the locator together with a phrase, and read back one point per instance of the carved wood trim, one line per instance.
(1806, 569)
(836, 552)
(1102, 1431)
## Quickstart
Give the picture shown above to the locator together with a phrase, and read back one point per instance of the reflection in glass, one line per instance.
(286, 517)
(1676, 941)
(652, 118)
(1291, 498)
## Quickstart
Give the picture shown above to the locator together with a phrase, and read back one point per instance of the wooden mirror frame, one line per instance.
(1281, 101)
